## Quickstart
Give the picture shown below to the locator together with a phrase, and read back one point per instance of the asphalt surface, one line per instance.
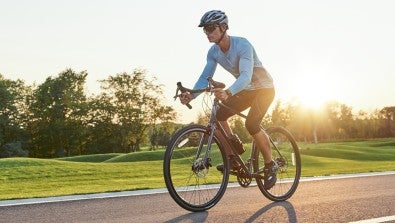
(344, 198)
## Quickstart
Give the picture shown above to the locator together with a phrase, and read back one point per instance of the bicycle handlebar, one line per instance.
(182, 89)
(211, 85)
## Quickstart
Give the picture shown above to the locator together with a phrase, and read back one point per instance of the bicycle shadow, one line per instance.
(197, 217)
(285, 204)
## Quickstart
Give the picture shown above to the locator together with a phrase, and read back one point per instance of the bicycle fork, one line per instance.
(205, 161)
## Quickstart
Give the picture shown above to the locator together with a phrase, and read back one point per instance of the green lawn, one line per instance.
(27, 177)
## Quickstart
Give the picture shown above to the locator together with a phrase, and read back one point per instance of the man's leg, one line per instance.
(271, 167)
(258, 109)
(226, 145)
(262, 141)
(228, 132)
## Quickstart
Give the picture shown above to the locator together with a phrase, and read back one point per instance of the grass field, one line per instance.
(28, 178)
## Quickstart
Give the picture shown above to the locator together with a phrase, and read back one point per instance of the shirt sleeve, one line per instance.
(246, 66)
(208, 71)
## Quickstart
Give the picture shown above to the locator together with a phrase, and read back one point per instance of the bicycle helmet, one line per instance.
(213, 17)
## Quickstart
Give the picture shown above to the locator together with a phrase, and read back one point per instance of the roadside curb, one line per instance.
(16, 202)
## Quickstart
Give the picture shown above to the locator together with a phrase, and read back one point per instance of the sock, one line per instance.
(269, 164)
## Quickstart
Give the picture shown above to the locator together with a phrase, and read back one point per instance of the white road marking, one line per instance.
(377, 220)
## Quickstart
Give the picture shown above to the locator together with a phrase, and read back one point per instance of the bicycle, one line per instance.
(194, 151)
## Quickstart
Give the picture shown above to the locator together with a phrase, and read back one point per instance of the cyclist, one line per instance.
(253, 86)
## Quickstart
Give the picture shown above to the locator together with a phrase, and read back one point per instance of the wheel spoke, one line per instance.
(286, 153)
(189, 176)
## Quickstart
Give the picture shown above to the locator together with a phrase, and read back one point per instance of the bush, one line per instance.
(13, 149)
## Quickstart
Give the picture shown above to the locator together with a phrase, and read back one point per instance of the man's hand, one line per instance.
(186, 97)
(220, 94)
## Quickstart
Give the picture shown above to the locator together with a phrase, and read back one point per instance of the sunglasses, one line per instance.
(210, 28)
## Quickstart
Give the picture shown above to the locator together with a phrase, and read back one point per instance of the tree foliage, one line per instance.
(335, 121)
(57, 118)
(128, 106)
(12, 118)
(58, 110)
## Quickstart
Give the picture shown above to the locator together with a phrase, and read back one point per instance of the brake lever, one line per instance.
(179, 87)
(176, 95)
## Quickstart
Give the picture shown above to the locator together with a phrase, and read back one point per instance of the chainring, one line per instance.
(243, 178)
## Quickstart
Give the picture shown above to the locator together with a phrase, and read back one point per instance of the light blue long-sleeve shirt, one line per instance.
(240, 61)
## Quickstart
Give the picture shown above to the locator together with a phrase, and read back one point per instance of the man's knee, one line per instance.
(252, 128)
(221, 117)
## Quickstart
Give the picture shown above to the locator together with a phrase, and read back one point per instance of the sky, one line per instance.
(316, 51)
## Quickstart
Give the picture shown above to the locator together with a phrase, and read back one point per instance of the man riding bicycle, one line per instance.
(253, 87)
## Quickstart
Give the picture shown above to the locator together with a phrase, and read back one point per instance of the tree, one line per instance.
(279, 115)
(59, 109)
(160, 134)
(303, 123)
(12, 122)
(136, 105)
(346, 121)
(7, 111)
(102, 131)
(238, 127)
(388, 125)
(332, 124)
(202, 118)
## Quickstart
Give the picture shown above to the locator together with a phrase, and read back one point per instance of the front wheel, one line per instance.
(189, 168)
(286, 153)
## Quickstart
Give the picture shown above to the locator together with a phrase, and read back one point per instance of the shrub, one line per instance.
(13, 149)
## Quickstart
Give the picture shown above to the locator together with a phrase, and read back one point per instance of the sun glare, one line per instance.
(312, 91)
(313, 96)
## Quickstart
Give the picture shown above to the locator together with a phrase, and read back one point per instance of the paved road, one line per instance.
(328, 200)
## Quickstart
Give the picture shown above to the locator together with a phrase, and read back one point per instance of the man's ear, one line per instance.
(223, 27)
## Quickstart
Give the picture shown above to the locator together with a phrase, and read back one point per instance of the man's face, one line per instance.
(213, 32)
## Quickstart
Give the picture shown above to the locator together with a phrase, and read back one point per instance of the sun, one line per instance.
(311, 91)
(313, 96)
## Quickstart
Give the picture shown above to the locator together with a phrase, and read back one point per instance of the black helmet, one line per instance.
(213, 17)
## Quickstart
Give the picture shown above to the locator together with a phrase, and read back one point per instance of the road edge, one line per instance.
(27, 201)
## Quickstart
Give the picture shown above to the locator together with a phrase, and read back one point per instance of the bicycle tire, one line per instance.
(192, 185)
(288, 174)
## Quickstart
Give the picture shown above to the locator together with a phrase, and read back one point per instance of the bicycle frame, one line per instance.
(194, 191)
(214, 124)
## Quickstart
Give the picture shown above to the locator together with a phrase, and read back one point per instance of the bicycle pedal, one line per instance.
(233, 172)
(260, 171)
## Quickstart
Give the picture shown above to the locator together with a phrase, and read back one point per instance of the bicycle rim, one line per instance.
(288, 157)
(194, 185)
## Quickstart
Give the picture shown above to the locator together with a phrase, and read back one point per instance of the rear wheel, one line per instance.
(286, 153)
(191, 177)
